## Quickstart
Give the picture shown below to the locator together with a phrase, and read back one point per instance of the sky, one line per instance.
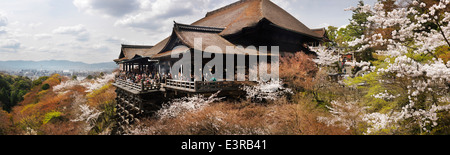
(92, 31)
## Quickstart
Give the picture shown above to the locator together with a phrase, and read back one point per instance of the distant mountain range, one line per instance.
(56, 65)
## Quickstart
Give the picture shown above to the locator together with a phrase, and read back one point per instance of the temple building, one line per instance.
(147, 78)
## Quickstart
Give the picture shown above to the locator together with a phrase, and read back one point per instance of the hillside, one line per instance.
(71, 107)
(67, 107)
(56, 65)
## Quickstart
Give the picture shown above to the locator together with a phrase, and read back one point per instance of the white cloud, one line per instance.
(42, 36)
(116, 40)
(35, 34)
(79, 31)
(10, 44)
(3, 20)
(157, 14)
(3, 30)
(325, 25)
(343, 26)
(152, 13)
(287, 4)
(114, 8)
(35, 25)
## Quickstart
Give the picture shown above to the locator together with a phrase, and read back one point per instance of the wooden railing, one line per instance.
(195, 87)
(138, 87)
(202, 86)
(184, 85)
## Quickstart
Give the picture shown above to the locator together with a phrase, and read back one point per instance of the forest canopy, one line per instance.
(12, 90)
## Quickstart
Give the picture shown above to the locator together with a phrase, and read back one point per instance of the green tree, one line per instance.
(4, 98)
(45, 86)
(90, 77)
(332, 35)
(340, 36)
(359, 25)
(4, 93)
(39, 81)
(12, 90)
(22, 84)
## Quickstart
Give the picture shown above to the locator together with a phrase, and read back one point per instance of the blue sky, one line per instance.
(92, 30)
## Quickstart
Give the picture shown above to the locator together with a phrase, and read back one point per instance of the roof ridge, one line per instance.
(226, 7)
(261, 10)
(136, 46)
(322, 28)
(197, 28)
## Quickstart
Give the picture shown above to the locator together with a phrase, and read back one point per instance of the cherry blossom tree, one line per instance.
(325, 57)
(186, 104)
(344, 114)
(416, 31)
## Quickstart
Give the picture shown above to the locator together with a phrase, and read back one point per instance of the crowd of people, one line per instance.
(145, 77)
(148, 78)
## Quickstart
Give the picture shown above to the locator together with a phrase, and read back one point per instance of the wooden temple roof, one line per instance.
(223, 22)
(187, 34)
(321, 32)
(248, 13)
(128, 52)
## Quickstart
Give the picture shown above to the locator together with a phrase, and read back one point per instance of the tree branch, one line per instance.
(442, 32)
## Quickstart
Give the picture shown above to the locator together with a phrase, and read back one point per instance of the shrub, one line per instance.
(54, 80)
(243, 118)
(45, 86)
(5, 123)
(27, 107)
(90, 77)
(39, 81)
(298, 71)
(49, 116)
(102, 96)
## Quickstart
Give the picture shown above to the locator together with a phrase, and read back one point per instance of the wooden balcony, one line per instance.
(136, 88)
(202, 86)
(192, 87)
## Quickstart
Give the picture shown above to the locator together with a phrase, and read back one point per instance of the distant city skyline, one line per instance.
(54, 65)
(92, 31)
